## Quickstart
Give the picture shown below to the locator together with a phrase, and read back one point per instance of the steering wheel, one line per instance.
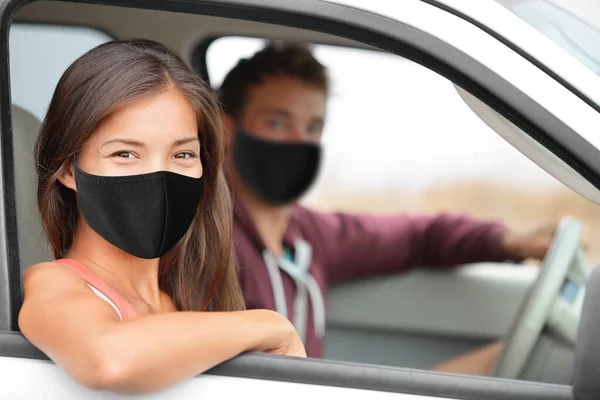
(554, 302)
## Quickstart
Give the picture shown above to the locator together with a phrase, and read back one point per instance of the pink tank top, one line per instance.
(101, 289)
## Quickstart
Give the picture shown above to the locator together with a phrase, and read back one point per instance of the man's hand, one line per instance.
(533, 244)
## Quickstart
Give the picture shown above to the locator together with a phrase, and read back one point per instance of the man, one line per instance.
(274, 111)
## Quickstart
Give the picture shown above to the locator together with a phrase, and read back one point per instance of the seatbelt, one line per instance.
(306, 285)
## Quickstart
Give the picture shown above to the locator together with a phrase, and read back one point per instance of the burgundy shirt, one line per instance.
(351, 246)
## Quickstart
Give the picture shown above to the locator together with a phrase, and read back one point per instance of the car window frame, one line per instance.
(370, 29)
(517, 49)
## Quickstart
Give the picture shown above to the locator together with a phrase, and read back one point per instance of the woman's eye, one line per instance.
(185, 155)
(123, 154)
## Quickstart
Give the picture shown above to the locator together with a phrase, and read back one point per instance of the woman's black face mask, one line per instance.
(143, 215)
(279, 172)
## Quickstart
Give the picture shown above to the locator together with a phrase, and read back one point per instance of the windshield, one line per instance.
(557, 20)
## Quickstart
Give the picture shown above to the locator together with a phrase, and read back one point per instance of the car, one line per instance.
(540, 94)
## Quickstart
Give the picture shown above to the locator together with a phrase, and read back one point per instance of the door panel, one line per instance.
(34, 379)
(26, 373)
(423, 317)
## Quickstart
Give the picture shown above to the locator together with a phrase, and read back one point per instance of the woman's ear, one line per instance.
(67, 177)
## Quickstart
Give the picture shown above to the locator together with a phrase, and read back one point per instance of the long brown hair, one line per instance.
(199, 273)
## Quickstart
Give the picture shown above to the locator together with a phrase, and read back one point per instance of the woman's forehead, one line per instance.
(164, 117)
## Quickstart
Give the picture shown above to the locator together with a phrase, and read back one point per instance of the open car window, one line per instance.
(400, 138)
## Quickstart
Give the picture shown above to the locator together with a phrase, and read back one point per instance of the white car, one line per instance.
(527, 68)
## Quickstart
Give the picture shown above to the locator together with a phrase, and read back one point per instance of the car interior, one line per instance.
(415, 320)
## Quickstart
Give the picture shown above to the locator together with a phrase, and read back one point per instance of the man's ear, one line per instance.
(67, 177)
(228, 128)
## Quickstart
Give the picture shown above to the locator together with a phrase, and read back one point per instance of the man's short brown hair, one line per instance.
(275, 60)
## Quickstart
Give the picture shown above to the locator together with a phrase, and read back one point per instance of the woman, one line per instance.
(143, 293)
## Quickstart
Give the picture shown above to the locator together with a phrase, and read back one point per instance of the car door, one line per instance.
(551, 136)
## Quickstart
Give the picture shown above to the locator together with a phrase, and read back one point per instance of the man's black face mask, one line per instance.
(279, 172)
(143, 215)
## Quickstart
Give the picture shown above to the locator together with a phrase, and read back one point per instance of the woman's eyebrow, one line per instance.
(125, 141)
(185, 141)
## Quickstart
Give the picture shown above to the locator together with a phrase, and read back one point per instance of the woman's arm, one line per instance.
(83, 335)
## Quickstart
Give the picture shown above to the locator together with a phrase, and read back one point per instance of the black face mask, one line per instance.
(143, 215)
(279, 172)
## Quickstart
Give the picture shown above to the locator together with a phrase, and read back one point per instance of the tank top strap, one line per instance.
(124, 308)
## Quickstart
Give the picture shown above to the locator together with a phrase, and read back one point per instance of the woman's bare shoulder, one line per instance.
(51, 274)
(52, 293)
(43, 266)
